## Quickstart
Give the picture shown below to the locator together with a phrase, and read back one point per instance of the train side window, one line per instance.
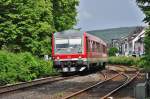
(92, 46)
(103, 49)
(89, 48)
(98, 47)
(95, 46)
(88, 45)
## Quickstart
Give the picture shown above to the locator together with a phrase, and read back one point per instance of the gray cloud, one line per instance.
(99, 14)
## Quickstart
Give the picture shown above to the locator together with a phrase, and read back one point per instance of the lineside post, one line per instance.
(148, 84)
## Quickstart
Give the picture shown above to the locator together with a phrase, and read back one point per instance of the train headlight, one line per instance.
(80, 57)
(57, 58)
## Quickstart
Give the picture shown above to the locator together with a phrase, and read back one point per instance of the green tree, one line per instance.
(112, 51)
(26, 25)
(145, 7)
(64, 14)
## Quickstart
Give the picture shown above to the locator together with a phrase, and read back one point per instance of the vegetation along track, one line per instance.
(104, 89)
(14, 87)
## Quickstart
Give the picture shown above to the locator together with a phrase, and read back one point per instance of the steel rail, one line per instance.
(14, 87)
(90, 87)
(105, 77)
(123, 85)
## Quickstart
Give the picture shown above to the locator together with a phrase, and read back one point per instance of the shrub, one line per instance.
(7, 68)
(142, 63)
(22, 67)
(123, 60)
(144, 5)
(112, 51)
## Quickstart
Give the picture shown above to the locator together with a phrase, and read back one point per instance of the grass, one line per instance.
(124, 60)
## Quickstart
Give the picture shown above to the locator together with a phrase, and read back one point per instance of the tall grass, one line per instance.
(124, 60)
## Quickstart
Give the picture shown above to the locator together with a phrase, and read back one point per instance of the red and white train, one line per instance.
(75, 51)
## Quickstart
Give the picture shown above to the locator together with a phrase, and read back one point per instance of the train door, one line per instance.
(87, 47)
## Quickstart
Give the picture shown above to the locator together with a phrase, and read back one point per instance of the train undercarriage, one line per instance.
(77, 66)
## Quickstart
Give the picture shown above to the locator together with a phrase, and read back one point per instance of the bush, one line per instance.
(123, 60)
(112, 51)
(142, 63)
(22, 67)
(144, 5)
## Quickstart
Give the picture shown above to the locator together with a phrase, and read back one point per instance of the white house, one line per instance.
(138, 43)
(133, 44)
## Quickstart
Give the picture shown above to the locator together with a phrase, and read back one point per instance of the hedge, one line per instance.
(22, 67)
(124, 60)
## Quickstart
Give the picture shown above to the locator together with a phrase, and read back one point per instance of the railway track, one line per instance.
(14, 87)
(104, 88)
(8, 89)
(111, 81)
(130, 79)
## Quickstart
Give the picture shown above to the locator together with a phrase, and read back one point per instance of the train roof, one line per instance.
(67, 33)
(76, 33)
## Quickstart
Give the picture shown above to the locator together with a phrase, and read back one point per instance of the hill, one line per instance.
(114, 33)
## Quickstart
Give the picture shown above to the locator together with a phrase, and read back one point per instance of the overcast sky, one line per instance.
(102, 14)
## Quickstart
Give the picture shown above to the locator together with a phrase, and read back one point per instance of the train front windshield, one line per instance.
(68, 46)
